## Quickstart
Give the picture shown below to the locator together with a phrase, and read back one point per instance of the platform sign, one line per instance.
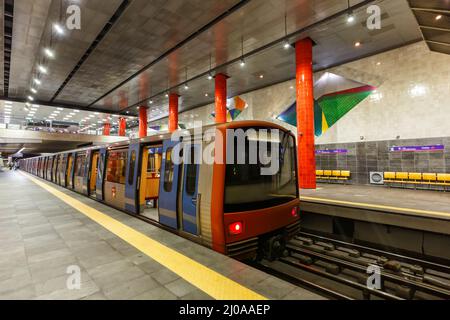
(331, 151)
(436, 147)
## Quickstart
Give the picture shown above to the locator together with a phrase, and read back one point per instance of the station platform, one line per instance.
(415, 209)
(47, 232)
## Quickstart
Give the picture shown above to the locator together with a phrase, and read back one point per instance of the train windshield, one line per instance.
(261, 175)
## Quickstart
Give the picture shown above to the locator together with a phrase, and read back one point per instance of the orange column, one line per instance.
(305, 114)
(106, 129)
(221, 98)
(173, 112)
(122, 127)
(142, 121)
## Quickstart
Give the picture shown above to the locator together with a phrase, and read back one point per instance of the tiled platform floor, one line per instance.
(41, 236)
(421, 200)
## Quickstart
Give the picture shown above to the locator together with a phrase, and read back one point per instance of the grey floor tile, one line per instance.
(180, 287)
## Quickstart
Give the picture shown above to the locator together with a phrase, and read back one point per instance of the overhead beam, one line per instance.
(438, 42)
(431, 10)
(435, 28)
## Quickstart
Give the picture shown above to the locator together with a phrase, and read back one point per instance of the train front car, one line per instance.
(259, 192)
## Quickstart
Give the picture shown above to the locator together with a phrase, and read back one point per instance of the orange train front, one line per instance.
(214, 194)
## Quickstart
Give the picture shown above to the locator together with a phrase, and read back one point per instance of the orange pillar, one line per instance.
(106, 129)
(142, 122)
(221, 98)
(122, 127)
(305, 114)
(173, 112)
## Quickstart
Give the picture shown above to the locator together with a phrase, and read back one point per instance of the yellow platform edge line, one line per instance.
(209, 281)
(376, 206)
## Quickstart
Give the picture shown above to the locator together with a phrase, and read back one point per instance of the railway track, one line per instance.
(340, 270)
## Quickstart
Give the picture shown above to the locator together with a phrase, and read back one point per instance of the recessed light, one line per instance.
(56, 112)
(378, 63)
(7, 112)
(30, 98)
(37, 81)
(206, 95)
(77, 111)
(350, 18)
(8, 102)
(357, 44)
(438, 17)
(49, 52)
(43, 69)
(261, 76)
(96, 113)
(33, 90)
(58, 28)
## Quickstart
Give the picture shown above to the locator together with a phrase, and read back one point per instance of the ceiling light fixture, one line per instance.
(261, 76)
(350, 16)
(43, 69)
(30, 98)
(286, 44)
(186, 86)
(49, 53)
(58, 28)
(37, 81)
(33, 90)
(357, 44)
(438, 17)
(242, 64)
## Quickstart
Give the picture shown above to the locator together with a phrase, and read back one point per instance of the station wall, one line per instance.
(411, 106)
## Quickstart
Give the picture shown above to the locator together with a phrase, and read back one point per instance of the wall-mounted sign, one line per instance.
(332, 151)
(436, 147)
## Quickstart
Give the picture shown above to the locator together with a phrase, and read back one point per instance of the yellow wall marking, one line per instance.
(207, 280)
(376, 206)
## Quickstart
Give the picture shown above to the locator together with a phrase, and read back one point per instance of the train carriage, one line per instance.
(226, 205)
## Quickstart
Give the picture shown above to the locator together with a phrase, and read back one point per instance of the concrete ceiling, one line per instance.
(129, 52)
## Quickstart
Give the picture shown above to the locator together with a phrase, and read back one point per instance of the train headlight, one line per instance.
(235, 228)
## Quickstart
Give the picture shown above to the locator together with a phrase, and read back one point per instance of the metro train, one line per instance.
(229, 207)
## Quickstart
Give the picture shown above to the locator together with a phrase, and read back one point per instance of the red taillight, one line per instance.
(235, 228)
(294, 212)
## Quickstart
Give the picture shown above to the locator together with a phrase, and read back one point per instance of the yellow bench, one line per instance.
(333, 175)
(416, 178)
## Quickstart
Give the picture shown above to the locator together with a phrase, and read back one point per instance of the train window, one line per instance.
(168, 172)
(80, 165)
(247, 189)
(191, 174)
(116, 166)
(131, 168)
(154, 160)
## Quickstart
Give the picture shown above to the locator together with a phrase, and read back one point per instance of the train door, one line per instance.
(168, 189)
(79, 171)
(190, 195)
(55, 168)
(92, 181)
(150, 181)
(115, 178)
(132, 177)
(69, 172)
(100, 174)
(63, 170)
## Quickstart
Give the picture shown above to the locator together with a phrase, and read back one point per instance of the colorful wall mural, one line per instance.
(334, 97)
(235, 107)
